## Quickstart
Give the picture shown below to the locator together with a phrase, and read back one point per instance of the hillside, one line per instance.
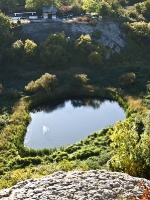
(98, 57)
(111, 34)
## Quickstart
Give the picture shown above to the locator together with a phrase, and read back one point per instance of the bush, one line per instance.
(47, 82)
(96, 34)
(79, 80)
(17, 50)
(84, 44)
(53, 50)
(95, 58)
(13, 94)
(29, 49)
(127, 79)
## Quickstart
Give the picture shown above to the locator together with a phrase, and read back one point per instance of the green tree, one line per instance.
(34, 4)
(79, 80)
(95, 58)
(10, 4)
(5, 33)
(53, 50)
(131, 146)
(46, 82)
(17, 50)
(29, 49)
(89, 5)
(144, 8)
(37, 5)
(127, 79)
(104, 9)
(84, 44)
(5, 26)
(124, 142)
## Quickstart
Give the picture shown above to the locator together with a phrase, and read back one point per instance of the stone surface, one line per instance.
(78, 185)
(112, 35)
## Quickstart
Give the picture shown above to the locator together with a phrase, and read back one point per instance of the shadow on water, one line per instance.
(49, 107)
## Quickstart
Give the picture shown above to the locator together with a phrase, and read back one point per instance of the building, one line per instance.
(49, 12)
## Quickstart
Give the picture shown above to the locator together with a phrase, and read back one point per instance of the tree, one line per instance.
(131, 146)
(144, 8)
(34, 5)
(37, 5)
(89, 5)
(10, 4)
(57, 39)
(29, 49)
(5, 26)
(103, 9)
(53, 50)
(46, 82)
(84, 44)
(5, 33)
(127, 79)
(79, 80)
(17, 50)
(95, 58)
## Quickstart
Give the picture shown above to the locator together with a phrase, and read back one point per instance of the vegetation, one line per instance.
(47, 82)
(32, 73)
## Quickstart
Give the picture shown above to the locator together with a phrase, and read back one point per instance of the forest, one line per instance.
(35, 72)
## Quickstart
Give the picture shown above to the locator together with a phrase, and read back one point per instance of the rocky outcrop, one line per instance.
(78, 185)
(112, 35)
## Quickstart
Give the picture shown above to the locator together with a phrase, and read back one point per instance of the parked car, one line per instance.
(70, 15)
(23, 17)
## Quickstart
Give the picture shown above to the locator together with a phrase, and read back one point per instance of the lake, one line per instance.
(66, 122)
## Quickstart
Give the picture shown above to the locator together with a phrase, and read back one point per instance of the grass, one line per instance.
(135, 104)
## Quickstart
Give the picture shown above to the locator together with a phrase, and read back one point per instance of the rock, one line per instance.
(78, 185)
(111, 36)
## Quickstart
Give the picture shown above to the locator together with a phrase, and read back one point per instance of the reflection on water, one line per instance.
(65, 122)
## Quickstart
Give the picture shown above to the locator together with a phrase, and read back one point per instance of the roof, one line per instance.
(49, 9)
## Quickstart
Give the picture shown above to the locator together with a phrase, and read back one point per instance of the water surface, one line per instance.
(67, 122)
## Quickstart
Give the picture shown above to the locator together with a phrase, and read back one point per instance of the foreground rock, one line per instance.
(79, 185)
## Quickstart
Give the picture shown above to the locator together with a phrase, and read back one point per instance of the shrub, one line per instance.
(93, 162)
(79, 80)
(96, 34)
(95, 58)
(65, 165)
(84, 44)
(47, 82)
(127, 79)
(53, 50)
(29, 49)
(13, 94)
(17, 50)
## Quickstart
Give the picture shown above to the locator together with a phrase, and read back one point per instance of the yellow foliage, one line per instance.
(135, 104)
